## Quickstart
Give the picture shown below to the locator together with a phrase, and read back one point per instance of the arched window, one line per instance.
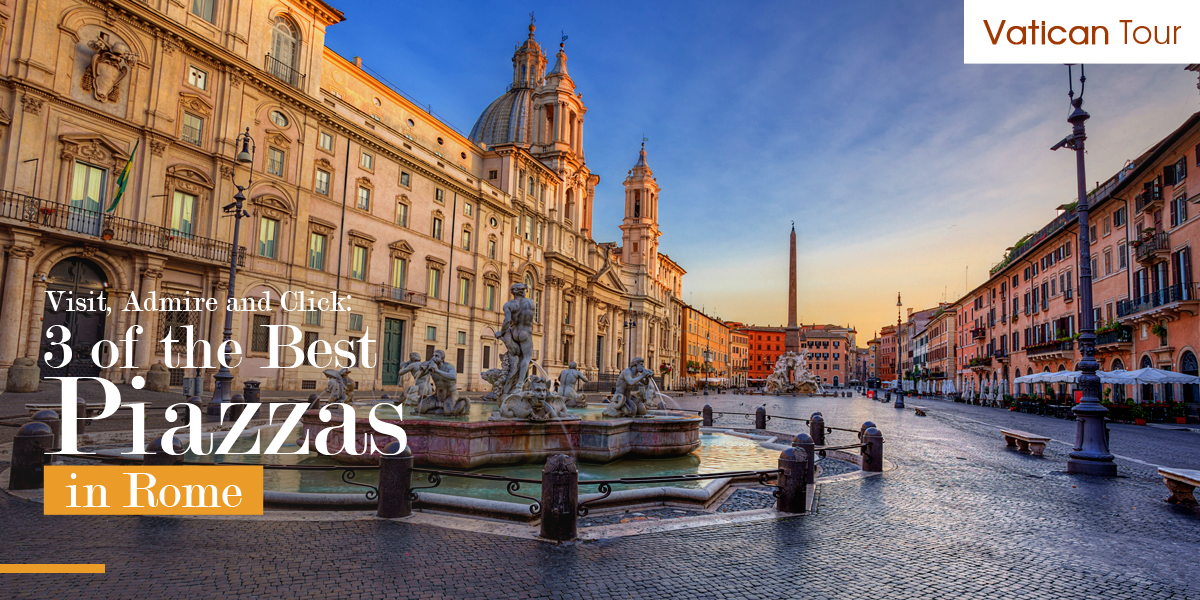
(1118, 390)
(1188, 366)
(570, 212)
(281, 62)
(1147, 389)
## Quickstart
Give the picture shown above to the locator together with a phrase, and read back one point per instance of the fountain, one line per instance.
(791, 375)
(524, 419)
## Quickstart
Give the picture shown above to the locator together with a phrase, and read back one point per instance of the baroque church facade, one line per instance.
(354, 190)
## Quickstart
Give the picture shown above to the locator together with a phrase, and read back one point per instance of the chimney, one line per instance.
(358, 61)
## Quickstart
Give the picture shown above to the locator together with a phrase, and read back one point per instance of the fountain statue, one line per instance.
(634, 394)
(444, 400)
(568, 379)
(791, 375)
(340, 387)
(534, 402)
(421, 387)
(517, 335)
(498, 377)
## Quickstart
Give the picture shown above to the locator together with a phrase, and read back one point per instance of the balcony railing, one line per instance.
(105, 228)
(1155, 299)
(1148, 197)
(978, 333)
(387, 293)
(1153, 246)
(283, 71)
(1049, 348)
(1116, 336)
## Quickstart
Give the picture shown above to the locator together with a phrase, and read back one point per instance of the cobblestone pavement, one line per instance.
(960, 517)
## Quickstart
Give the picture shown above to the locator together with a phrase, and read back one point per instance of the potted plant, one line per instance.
(1177, 410)
(1139, 414)
(1161, 331)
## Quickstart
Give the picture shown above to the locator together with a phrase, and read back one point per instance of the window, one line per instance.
(489, 298)
(197, 77)
(259, 340)
(278, 118)
(364, 198)
(358, 263)
(435, 282)
(192, 129)
(462, 340)
(316, 251)
(404, 178)
(356, 323)
(439, 194)
(268, 234)
(1178, 211)
(493, 174)
(275, 161)
(1122, 256)
(464, 291)
(205, 9)
(87, 187)
(1107, 226)
(532, 187)
(282, 63)
(431, 333)
(312, 317)
(402, 214)
(1119, 217)
(491, 249)
(528, 227)
(310, 338)
(322, 183)
(183, 214)
(325, 141)
(567, 312)
(399, 271)
(468, 209)
(367, 161)
(466, 239)
(437, 228)
(1108, 264)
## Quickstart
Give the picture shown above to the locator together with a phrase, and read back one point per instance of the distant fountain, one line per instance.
(792, 376)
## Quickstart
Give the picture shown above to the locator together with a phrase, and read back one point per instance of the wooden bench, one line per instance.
(920, 410)
(1180, 482)
(1025, 441)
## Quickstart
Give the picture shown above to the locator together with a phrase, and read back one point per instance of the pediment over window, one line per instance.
(435, 260)
(195, 104)
(277, 139)
(364, 238)
(320, 226)
(188, 177)
(324, 164)
(97, 149)
(271, 207)
(401, 248)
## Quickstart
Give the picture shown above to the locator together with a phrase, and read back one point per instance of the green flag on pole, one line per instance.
(123, 180)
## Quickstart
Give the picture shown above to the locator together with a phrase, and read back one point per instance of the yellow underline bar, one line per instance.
(60, 568)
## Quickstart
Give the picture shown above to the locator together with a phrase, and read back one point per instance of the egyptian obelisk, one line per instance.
(791, 338)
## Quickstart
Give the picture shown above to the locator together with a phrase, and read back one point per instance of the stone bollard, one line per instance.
(250, 391)
(27, 471)
(385, 397)
(23, 376)
(236, 404)
(314, 401)
(560, 498)
(793, 485)
(816, 429)
(760, 417)
(158, 378)
(395, 483)
(155, 457)
(199, 402)
(899, 403)
(863, 429)
(805, 442)
(707, 416)
(872, 454)
(50, 418)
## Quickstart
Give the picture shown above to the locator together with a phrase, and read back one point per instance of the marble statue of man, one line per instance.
(568, 380)
(517, 335)
(421, 386)
(628, 394)
(445, 381)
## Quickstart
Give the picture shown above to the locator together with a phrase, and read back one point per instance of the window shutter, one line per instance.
(1169, 175)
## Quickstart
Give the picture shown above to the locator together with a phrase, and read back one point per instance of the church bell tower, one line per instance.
(639, 229)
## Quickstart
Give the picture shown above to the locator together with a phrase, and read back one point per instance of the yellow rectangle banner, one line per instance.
(59, 568)
(139, 490)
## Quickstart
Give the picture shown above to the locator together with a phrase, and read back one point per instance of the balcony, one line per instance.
(400, 297)
(1115, 340)
(1149, 198)
(1152, 248)
(283, 71)
(981, 363)
(97, 227)
(1050, 350)
(1169, 303)
(978, 333)
(1000, 355)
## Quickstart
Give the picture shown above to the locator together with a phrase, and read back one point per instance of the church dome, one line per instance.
(507, 120)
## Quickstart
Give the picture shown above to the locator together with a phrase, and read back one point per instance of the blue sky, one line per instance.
(903, 169)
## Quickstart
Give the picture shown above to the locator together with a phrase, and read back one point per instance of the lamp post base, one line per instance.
(1103, 468)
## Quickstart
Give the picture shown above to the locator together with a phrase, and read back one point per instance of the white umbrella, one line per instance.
(1151, 375)
(948, 388)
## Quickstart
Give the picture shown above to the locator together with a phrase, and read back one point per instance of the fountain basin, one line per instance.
(459, 443)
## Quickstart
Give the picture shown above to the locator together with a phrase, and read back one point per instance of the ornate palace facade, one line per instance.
(356, 191)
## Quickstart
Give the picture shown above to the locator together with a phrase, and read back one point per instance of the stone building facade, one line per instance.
(355, 192)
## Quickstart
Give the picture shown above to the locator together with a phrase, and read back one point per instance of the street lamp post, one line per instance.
(1091, 455)
(224, 378)
(899, 375)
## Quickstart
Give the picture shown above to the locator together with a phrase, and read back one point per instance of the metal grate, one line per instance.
(308, 384)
